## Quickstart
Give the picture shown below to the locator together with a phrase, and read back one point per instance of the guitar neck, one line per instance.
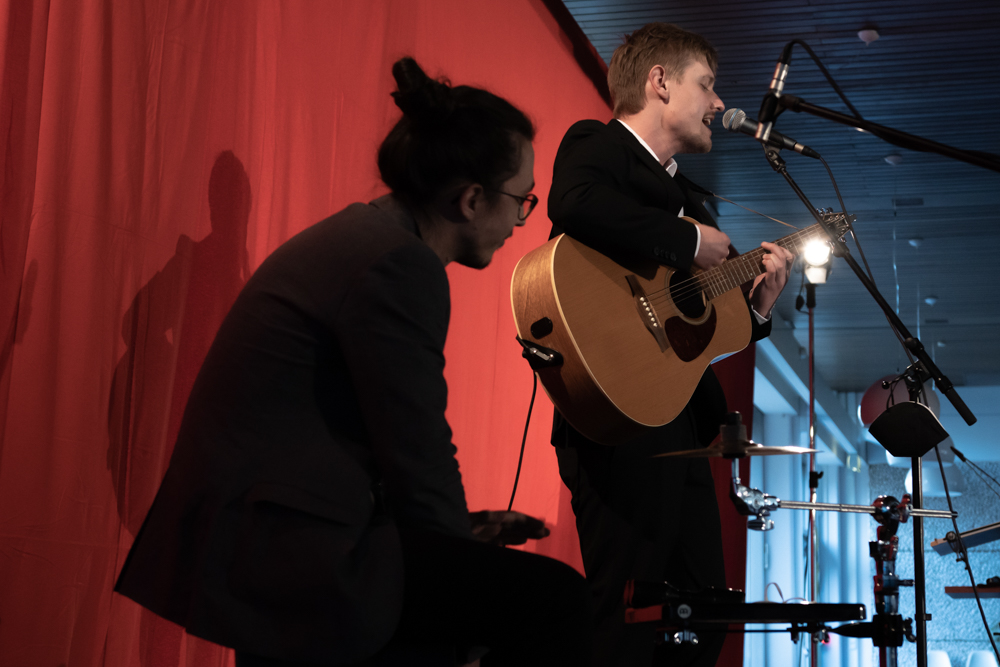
(734, 272)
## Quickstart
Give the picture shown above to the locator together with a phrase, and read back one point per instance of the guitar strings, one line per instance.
(721, 282)
(714, 278)
(696, 284)
(720, 279)
(717, 278)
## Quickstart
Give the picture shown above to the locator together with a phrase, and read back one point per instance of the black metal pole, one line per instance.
(919, 585)
(813, 477)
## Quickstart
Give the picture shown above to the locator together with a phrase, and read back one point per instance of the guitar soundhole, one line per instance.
(687, 295)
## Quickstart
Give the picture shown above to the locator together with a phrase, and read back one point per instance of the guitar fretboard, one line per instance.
(734, 272)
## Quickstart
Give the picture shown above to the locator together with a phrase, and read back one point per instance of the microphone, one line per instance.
(769, 106)
(735, 120)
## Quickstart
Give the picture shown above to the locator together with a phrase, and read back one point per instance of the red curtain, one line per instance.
(153, 153)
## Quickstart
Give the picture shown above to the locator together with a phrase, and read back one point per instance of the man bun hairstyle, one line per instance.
(653, 44)
(447, 136)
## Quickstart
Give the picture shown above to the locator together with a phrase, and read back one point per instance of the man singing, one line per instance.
(616, 188)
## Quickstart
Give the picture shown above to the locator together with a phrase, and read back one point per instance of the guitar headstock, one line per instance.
(839, 222)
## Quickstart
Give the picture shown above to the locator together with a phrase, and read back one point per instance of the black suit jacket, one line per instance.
(315, 427)
(609, 192)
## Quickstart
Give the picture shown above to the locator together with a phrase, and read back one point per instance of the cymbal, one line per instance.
(736, 450)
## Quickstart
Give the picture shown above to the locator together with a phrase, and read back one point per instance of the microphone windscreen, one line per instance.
(733, 119)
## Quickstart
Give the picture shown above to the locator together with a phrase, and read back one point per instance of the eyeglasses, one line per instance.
(526, 204)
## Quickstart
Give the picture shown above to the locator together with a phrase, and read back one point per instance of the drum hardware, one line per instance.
(759, 505)
(684, 636)
(677, 612)
(887, 624)
(888, 628)
(679, 620)
(690, 613)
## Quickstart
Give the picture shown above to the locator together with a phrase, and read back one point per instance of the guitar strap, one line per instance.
(693, 204)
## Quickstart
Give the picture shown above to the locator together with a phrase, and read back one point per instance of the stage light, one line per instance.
(816, 256)
(816, 252)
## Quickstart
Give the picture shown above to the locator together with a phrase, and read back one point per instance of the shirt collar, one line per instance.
(671, 164)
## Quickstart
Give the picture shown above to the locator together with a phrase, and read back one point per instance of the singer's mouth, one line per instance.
(707, 120)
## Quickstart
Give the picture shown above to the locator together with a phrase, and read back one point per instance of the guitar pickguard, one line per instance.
(691, 331)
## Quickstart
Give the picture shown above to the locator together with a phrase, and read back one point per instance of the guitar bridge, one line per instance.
(647, 312)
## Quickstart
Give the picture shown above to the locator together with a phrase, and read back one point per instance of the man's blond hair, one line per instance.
(653, 44)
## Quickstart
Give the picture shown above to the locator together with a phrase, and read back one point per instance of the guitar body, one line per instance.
(633, 350)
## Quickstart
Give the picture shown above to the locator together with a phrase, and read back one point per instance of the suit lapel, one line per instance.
(673, 194)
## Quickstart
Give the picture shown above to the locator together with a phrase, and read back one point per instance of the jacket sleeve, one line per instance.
(758, 330)
(595, 199)
(391, 329)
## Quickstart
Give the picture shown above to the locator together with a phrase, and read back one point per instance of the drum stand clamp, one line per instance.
(753, 503)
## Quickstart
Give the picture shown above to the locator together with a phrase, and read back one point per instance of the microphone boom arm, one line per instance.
(890, 135)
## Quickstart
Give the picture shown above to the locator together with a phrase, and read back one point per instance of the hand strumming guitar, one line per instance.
(713, 248)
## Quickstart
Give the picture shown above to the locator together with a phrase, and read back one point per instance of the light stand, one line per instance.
(813, 476)
(816, 268)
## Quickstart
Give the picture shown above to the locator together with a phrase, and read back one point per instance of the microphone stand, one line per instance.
(893, 136)
(920, 614)
(925, 366)
(840, 249)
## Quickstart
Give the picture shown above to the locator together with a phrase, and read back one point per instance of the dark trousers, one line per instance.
(463, 596)
(648, 519)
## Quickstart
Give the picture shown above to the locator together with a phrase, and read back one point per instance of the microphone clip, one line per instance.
(770, 107)
(773, 155)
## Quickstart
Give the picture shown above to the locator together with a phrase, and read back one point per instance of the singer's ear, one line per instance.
(658, 84)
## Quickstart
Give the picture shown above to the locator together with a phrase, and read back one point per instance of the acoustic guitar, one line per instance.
(634, 336)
